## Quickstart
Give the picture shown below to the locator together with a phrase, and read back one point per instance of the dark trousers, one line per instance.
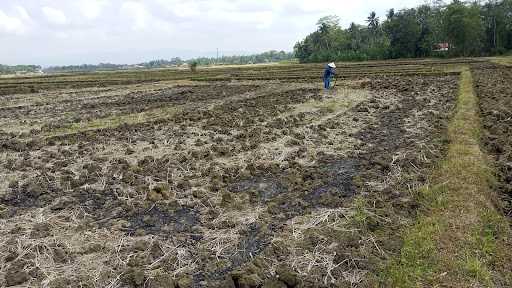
(327, 83)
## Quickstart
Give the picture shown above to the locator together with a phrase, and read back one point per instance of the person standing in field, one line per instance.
(330, 71)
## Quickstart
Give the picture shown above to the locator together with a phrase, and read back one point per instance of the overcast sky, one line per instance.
(58, 32)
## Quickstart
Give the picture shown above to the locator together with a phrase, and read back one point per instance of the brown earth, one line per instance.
(493, 84)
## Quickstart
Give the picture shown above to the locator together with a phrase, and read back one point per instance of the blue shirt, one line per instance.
(329, 72)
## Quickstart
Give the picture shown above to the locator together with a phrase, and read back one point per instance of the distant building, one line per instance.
(440, 47)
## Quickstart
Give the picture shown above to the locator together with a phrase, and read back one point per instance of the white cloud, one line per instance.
(54, 16)
(181, 8)
(261, 20)
(91, 9)
(11, 24)
(23, 13)
(141, 18)
(259, 14)
(61, 35)
(138, 13)
(187, 28)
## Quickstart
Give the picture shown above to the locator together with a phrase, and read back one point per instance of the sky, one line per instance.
(66, 32)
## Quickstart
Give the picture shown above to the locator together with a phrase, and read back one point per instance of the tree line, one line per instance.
(265, 57)
(430, 30)
(5, 69)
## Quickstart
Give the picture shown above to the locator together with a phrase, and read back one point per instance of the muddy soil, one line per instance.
(49, 115)
(380, 168)
(246, 185)
(493, 84)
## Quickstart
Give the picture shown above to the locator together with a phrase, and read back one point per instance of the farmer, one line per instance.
(330, 71)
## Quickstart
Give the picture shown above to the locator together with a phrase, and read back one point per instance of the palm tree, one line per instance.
(373, 21)
(373, 26)
(391, 14)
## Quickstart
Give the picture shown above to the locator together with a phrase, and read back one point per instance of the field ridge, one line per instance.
(461, 238)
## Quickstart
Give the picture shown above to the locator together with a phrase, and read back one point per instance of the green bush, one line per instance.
(193, 66)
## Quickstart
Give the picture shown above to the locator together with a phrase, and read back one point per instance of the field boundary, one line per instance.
(460, 238)
(506, 61)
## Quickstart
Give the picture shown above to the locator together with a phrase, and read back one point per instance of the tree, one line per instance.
(328, 21)
(373, 27)
(373, 22)
(470, 29)
(464, 28)
(507, 24)
(497, 16)
(404, 32)
(193, 66)
(355, 35)
(323, 44)
(425, 16)
(391, 14)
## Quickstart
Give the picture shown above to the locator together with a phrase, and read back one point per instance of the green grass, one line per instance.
(288, 62)
(460, 239)
(504, 60)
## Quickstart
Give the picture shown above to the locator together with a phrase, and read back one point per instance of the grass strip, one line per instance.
(507, 61)
(460, 239)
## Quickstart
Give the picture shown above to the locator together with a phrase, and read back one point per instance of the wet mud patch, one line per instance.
(96, 201)
(254, 239)
(264, 188)
(161, 218)
(162, 221)
(36, 192)
(328, 184)
(338, 175)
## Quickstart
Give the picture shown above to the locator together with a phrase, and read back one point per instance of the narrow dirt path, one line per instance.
(461, 238)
